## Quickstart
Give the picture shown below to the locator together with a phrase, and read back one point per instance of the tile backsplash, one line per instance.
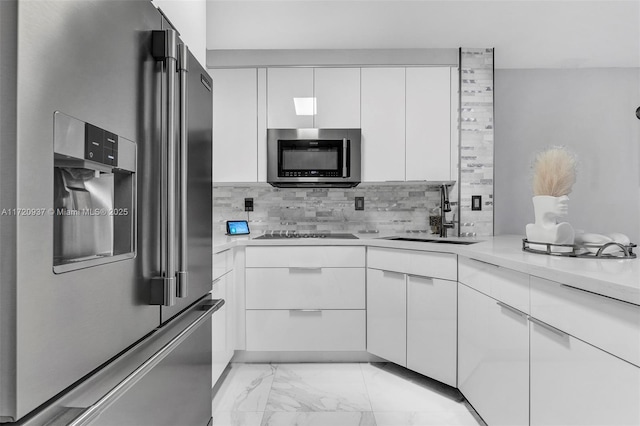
(476, 140)
(387, 207)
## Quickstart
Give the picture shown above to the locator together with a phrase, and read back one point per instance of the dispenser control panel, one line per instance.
(101, 146)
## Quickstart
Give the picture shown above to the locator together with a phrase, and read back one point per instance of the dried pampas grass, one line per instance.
(554, 172)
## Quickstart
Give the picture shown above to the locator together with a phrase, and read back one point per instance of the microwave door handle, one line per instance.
(181, 273)
(344, 158)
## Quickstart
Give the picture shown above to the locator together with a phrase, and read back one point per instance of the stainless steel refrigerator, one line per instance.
(105, 226)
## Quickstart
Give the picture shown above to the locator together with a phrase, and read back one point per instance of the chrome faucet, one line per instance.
(445, 207)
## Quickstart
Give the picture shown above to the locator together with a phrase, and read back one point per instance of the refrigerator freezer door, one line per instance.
(165, 380)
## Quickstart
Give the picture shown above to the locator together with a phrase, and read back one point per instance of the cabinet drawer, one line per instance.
(294, 330)
(576, 384)
(503, 284)
(222, 263)
(609, 324)
(426, 264)
(305, 288)
(305, 256)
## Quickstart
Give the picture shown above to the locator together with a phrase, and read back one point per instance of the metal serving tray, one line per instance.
(582, 250)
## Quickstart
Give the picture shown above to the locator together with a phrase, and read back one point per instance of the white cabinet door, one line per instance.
(235, 131)
(220, 328)
(574, 383)
(383, 124)
(387, 315)
(428, 124)
(285, 87)
(431, 328)
(493, 358)
(337, 92)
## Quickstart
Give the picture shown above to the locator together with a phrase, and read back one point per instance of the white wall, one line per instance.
(591, 112)
(190, 18)
(526, 34)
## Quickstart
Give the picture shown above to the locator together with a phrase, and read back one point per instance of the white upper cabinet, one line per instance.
(383, 124)
(337, 93)
(324, 98)
(428, 124)
(290, 101)
(407, 116)
(235, 127)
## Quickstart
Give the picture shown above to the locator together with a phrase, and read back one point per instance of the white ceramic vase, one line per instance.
(546, 229)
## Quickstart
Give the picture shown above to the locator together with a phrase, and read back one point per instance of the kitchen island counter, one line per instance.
(615, 278)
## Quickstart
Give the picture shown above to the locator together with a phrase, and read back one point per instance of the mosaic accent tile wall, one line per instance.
(387, 208)
(476, 141)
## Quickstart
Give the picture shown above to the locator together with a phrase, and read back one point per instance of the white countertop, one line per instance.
(615, 278)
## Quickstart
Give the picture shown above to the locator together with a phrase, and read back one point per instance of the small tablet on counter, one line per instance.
(237, 227)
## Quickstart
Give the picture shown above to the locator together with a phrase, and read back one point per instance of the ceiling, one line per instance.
(525, 34)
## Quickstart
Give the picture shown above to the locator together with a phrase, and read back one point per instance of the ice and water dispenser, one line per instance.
(94, 180)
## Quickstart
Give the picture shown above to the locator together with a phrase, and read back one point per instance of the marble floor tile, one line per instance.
(237, 418)
(390, 391)
(318, 387)
(341, 418)
(246, 388)
(432, 418)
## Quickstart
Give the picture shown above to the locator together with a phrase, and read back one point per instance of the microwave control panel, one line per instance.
(312, 173)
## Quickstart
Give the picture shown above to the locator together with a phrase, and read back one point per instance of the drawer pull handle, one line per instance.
(216, 280)
(486, 263)
(548, 327)
(421, 277)
(384, 271)
(512, 309)
(305, 268)
(306, 310)
(580, 289)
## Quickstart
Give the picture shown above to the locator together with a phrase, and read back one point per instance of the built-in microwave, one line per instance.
(313, 157)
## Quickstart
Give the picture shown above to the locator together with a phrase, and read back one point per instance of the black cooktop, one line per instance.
(295, 235)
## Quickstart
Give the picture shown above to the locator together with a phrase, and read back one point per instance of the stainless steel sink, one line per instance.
(428, 240)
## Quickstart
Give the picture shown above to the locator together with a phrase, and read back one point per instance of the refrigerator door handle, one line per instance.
(163, 290)
(181, 275)
(93, 411)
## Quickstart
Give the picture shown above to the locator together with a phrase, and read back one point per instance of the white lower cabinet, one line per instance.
(411, 319)
(576, 384)
(223, 326)
(493, 358)
(305, 288)
(305, 298)
(431, 328)
(387, 315)
(306, 330)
